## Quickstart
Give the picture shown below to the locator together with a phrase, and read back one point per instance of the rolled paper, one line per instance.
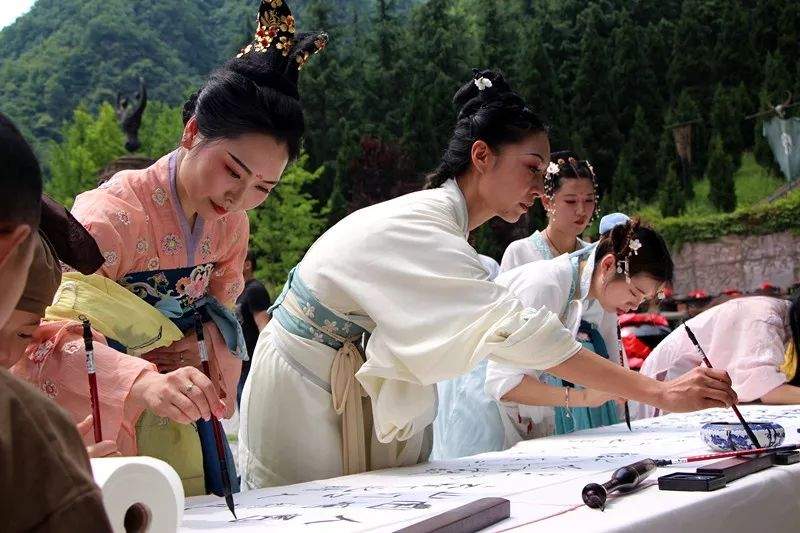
(142, 493)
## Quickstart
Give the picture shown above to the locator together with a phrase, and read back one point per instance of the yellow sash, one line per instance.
(789, 366)
(119, 314)
(114, 311)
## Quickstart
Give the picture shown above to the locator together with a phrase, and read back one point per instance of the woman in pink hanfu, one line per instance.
(176, 234)
(754, 338)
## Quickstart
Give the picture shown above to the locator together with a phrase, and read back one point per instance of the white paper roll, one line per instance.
(143, 493)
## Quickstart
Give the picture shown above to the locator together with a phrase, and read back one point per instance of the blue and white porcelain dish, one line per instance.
(731, 436)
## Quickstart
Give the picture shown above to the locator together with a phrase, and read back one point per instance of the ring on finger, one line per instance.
(188, 388)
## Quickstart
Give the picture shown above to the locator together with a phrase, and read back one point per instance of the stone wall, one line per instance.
(734, 261)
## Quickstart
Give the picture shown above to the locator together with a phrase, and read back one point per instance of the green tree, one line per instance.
(624, 186)
(89, 143)
(632, 73)
(719, 173)
(597, 136)
(672, 201)
(286, 224)
(725, 121)
(435, 55)
(537, 80)
(743, 104)
(642, 146)
(162, 126)
(692, 51)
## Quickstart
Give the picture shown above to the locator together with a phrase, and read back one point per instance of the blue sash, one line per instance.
(177, 293)
(318, 323)
(590, 338)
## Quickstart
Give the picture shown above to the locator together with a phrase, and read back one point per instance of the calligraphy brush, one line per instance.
(708, 364)
(722, 455)
(622, 362)
(92, 372)
(215, 425)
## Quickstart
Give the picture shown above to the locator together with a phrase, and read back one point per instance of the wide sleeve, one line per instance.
(537, 286)
(436, 319)
(750, 346)
(113, 224)
(57, 365)
(228, 280)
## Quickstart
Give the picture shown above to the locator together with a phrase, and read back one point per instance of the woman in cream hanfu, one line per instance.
(587, 289)
(468, 421)
(392, 299)
(755, 338)
(570, 201)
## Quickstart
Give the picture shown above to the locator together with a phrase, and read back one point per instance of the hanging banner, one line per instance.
(683, 143)
(783, 136)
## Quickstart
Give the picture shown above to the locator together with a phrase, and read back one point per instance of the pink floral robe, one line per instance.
(139, 225)
(55, 362)
(745, 336)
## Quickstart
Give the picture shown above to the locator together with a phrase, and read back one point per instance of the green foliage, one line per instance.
(673, 200)
(719, 173)
(761, 219)
(162, 126)
(642, 148)
(89, 143)
(286, 224)
(725, 118)
(608, 75)
(625, 185)
(753, 184)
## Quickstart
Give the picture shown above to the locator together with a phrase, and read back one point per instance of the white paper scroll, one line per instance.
(142, 493)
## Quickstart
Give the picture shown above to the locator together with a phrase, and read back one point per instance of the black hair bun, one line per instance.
(486, 87)
(190, 106)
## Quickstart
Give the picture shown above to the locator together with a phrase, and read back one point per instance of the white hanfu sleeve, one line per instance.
(436, 318)
(537, 285)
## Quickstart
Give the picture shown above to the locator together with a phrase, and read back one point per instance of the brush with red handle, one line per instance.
(91, 371)
(722, 455)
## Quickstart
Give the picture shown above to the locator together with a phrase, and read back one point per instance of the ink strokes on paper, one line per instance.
(542, 474)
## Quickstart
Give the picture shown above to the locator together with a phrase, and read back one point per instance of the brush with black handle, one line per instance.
(745, 425)
(215, 424)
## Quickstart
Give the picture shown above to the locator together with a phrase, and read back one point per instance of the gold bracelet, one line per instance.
(568, 411)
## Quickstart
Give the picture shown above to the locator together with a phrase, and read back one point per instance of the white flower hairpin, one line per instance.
(552, 168)
(635, 245)
(482, 83)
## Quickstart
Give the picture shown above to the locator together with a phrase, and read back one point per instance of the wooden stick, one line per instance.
(472, 516)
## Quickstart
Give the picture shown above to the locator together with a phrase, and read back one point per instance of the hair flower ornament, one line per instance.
(635, 245)
(552, 168)
(483, 83)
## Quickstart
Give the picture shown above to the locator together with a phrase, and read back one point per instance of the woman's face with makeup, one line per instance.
(514, 176)
(226, 175)
(618, 295)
